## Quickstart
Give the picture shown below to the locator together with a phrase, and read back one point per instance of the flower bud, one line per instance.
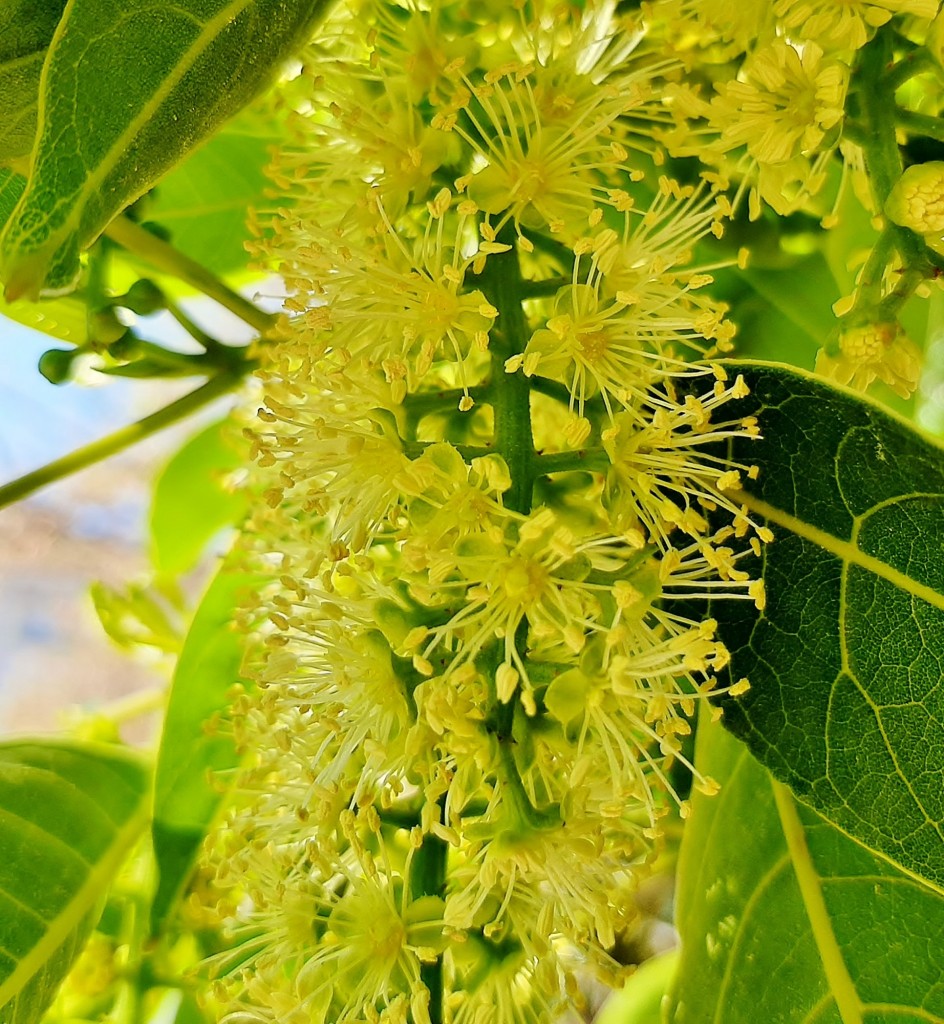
(916, 201)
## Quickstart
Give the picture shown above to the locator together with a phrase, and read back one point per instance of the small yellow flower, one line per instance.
(845, 24)
(874, 352)
(784, 102)
(916, 200)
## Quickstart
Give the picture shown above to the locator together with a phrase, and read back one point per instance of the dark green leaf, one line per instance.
(191, 503)
(26, 27)
(185, 798)
(783, 918)
(127, 92)
(68, 815)
(846, 703)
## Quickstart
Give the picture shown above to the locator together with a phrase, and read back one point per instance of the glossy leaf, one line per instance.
(846, 702)
(185, 797)
(783, 918)
(124, 99)
(191, 502)
(68, 815)
(26, 28)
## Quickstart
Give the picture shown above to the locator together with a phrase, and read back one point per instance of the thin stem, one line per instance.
(869, 285)
(414, 449)
(134, 706)
(915, 63)
(920, 124)
(882, 157)
(549, 286)
(206, 341)
(165, 257)
(119, 440)
(564, 462)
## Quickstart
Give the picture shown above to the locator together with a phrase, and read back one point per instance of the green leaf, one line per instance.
(12, 187)
(191, 504)
(804, 294)
(26, 27)
(639, 1001)
(203, 201)
(69, 813)
(783, 918)
(125, 96)
(846, 703)
(63, 318)
(185, 798)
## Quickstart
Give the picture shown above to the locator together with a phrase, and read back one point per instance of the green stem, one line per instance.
(549, 286)
(510, 393)
(165, 257)
(884, 165)
(915, 63)
(119, 440)
(869, 285)
(565, 462)
(920, 124)
(428, 878)
(882, 158)
(510, 397)
(414, 449)
(206, 341)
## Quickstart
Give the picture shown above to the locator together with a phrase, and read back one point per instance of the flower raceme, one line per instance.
(489, 455)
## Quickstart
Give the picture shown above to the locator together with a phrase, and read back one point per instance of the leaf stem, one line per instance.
(165, 257)
(20, 488)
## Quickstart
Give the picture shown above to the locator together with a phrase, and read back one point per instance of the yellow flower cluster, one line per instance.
(779, 73)
(496, 501)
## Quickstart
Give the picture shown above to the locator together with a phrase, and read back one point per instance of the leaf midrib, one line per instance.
(843, 990)
(186, 62)
(844, 550)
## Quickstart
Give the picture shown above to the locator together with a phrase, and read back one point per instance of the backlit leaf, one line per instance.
(185, 797)
(26, 27)
(191, 502)
(127, 92)
(783, 918)
(203, 201)
(68, 815)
